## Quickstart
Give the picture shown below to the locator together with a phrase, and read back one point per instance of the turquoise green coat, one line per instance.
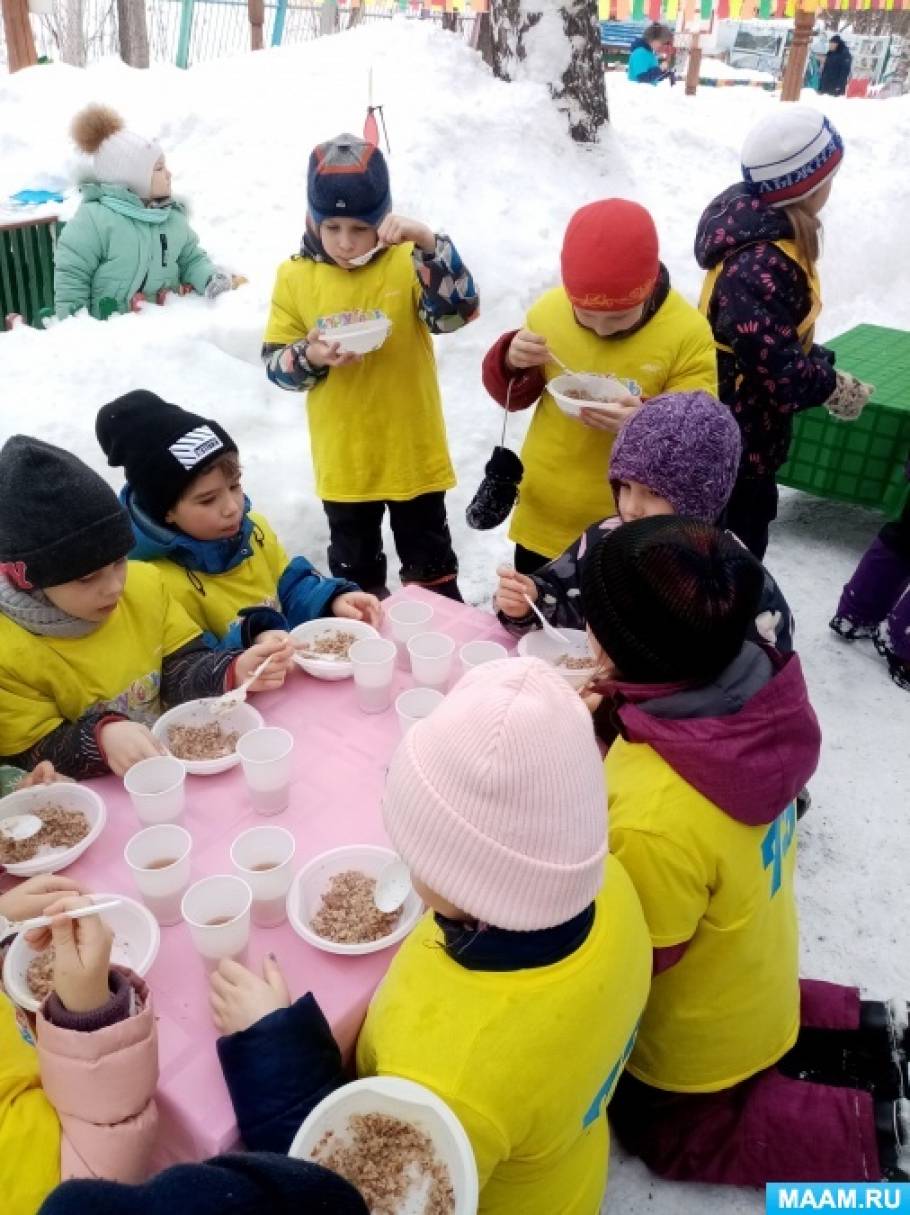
(115, 246)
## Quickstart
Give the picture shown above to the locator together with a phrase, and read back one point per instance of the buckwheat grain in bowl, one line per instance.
(40, 974)
(72, 816)
(62, 828)
(208, 741)
(348, 913)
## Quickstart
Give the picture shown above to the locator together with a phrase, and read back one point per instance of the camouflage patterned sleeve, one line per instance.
(448, 295)
(287, 367)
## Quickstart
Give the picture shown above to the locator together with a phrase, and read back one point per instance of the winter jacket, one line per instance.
(377, 430)
(81, 1105)
(836, 71)
(115, 247)
(565, 488)
(762, 308)
(702, 785)
(254, 1183)
(644, 66)
(559, 596)
(57, 692)
(233, 589)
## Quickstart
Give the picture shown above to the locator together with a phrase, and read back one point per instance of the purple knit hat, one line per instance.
(684, 446)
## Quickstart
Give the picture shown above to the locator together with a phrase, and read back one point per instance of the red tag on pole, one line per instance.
(371, 129)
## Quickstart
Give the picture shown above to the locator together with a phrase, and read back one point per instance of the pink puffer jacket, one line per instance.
(102, 1085)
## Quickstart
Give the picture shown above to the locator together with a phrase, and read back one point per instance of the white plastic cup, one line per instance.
(159, 860)
(266, 755)
(408, 617)
(263, 857)
(476, 653)
(217, 910)
(431, 659)
(157, 789)
(415, 704)
(373, 660)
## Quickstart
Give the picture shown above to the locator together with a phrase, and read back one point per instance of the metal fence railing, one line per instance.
(184, 32)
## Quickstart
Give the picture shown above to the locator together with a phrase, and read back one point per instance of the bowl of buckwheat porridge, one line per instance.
(321, 646)
(330, 902)
(398, 1143)
(205, 743)
(73, 816)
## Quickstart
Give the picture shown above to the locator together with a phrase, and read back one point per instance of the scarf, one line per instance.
(34, 612)
(157, 540)
(145, 215)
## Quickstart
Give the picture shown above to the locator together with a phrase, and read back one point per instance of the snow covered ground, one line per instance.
(490, 163)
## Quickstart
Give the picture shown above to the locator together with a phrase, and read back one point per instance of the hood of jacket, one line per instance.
(640, 45)
(155, 541)
(734, 219)
(748, 742)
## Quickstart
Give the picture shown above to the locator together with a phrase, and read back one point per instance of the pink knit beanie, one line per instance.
(497, 800)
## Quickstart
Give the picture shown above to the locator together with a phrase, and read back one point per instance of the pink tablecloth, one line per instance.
(340, 759)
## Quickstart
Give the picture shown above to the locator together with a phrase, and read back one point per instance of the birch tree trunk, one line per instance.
(133, 33)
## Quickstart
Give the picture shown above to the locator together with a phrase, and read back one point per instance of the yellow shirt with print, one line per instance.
(46, 681)
(213, 601)
(730, 1007)
(29, 1127)
(565, 488)
(527, 1059)
(376, 426)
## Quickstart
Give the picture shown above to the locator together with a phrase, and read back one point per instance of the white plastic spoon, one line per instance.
(230, 700)
(21, 826)
(363, 258)
(553, 634)
(75, 913)
(392, 886)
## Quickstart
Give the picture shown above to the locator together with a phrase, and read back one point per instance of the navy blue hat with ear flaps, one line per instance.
(348, 179)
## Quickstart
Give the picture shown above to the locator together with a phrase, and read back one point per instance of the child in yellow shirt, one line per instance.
(376, 425)
(217, 557)
(517, 997)
(90, 644)
(741, 1074)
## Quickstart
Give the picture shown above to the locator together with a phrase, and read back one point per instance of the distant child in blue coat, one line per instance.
(220, 560)
(644, 65)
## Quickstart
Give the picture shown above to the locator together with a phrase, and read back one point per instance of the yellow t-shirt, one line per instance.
(376, 426)
(730, 1007)
(213, 601)
(565, 488)
(29, 1127)
(527, 1059)
(46, 681)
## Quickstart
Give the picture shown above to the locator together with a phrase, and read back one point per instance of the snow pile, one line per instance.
(490, 163)
(718, 69)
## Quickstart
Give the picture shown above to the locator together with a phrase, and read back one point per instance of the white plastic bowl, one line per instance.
(242, 718)
(398, 1098)
(539, 645)
(136, 940)
(328, 668)
(360, 337)
(605, 387)
(72, 797)
(308, 887)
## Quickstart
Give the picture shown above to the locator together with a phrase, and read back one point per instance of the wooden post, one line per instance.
(256, 10)
(693, 68)
(20, 43)
(132, 32)
(795, 71)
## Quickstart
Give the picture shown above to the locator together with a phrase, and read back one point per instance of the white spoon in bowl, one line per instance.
(553, 634)
(392, 886)
(21, 826)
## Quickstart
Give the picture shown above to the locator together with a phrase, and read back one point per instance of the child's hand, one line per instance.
(125, 743)
(322, 353)
(593, 700)
(611, 415)
(238, 280)
(358, 605)
(510, 593)
(527, 349)
(239, 998)
(281, 649)
(42, 774)
(82, 958)
(396, 229)
(35, 895)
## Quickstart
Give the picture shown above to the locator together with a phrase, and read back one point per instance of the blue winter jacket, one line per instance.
(644, 66)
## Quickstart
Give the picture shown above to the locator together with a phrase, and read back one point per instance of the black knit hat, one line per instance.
(58, 519)
(161, 447)
(255, 1183)
(670, 599)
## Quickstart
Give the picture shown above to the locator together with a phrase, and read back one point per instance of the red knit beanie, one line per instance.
(609, 256)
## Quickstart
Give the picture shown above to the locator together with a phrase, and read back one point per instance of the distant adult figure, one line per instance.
(644, 66)
(836, 71)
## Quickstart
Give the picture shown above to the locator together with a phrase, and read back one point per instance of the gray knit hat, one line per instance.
(684, 446)
(58, 519)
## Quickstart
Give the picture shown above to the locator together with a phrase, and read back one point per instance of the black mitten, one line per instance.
(498, 490)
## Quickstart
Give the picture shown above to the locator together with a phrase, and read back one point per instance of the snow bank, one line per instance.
(490, 163)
